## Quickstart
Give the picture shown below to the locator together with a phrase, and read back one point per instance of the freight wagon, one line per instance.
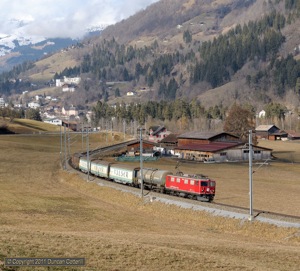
(125, 174)
(100, 168)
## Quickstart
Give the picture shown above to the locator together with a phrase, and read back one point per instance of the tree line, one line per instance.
(11, 113)
(174, 110)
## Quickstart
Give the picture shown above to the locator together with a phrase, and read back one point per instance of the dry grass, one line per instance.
(54, 91)
(47, 67)
(26, 126)
(47, 212)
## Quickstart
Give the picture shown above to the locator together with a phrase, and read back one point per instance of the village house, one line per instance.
(2, 103)
(67, 80)
(54, 121)
(17, 105)
(69, 111)
(157, 133)
(68, 88)
(38, 97)
(34, 105)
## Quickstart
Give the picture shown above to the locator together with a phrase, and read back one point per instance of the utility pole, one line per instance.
(88, 153)
(60, 154)
(82, 136)
(69, 139)
(250, 176)
(141, 162)
(124, 128)
(106, 130)
(65, 148)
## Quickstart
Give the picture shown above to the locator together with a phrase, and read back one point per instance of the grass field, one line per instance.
(46, 68)
(48, 212)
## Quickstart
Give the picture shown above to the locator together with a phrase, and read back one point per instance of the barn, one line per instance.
(217, 147)
(270, 132)
(134, 147)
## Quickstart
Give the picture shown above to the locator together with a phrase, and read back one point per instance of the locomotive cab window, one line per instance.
(204, 183)
(212, 183)
(196, 183)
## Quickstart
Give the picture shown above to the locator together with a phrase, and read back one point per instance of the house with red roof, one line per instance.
(157, 133)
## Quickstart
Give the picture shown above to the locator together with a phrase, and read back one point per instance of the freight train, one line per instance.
(193, 186)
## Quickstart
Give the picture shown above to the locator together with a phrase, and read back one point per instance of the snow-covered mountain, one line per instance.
(18, 46)
(16, 37)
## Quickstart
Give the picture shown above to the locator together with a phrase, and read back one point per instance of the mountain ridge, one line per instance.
(166, 28)
(18, 46)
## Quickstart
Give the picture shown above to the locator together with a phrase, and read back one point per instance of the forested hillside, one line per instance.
(215, 62)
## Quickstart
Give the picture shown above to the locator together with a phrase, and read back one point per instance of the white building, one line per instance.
(54, 121)
(67, 80)
(68, 88)
(262, 114)
(38, 97)
(130, 93)
(69, 111)
(34, 105)
(2, 103)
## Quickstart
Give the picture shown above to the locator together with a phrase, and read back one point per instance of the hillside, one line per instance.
(25, 126)
(216, 51)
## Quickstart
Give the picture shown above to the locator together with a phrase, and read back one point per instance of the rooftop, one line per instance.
(202, 135)
(211, 147)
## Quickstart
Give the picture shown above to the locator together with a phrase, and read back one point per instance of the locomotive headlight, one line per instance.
(207, 189)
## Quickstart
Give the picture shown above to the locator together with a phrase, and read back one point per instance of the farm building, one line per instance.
(134, 147)
(71, 125)
(293, 135)
(197, 137)
(219, 147)
(270, 132)
(170, 140)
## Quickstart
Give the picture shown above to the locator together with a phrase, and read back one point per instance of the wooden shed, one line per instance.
(135, 146)
(270, 132)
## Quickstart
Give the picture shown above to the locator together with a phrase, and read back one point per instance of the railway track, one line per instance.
(258, 212)
(109, 148)
(213, 205)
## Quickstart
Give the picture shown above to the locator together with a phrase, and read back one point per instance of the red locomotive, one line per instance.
(196, 186)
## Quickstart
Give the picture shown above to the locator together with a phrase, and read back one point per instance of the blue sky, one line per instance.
(65, 18)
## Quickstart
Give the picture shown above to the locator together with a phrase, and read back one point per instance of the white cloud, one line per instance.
(65, 18)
